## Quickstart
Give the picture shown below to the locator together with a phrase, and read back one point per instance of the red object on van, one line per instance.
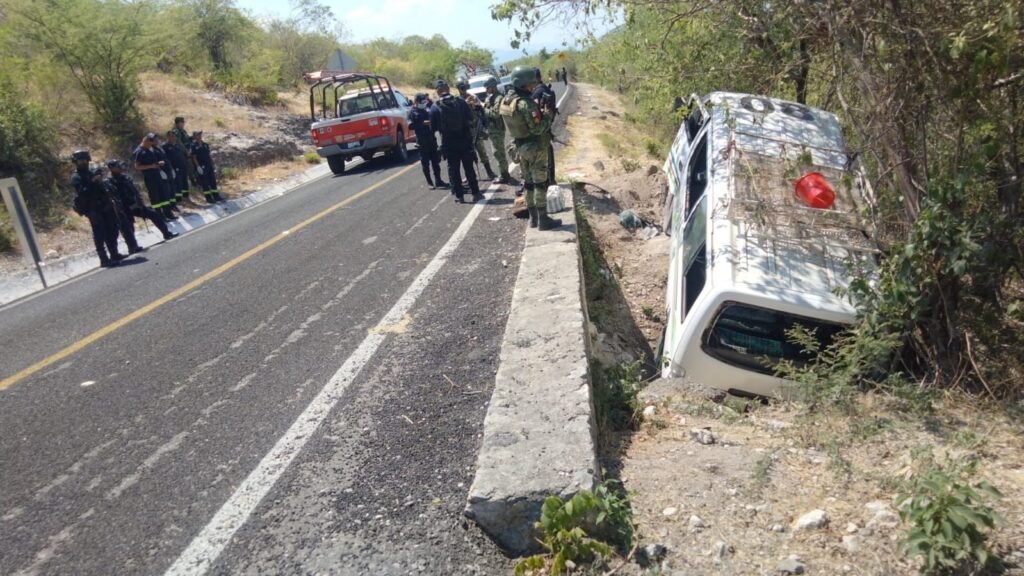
(813, 190)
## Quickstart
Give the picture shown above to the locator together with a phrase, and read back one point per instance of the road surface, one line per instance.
(298, 388)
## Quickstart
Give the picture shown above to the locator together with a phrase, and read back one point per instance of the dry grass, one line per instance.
(164, 97)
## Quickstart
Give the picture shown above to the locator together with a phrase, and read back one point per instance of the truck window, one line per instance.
(697, 173)
(755, 339)
(694, 121)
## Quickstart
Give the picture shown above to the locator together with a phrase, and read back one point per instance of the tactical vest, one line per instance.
(516, 124)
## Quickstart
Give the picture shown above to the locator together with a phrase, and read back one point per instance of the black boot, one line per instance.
(426, 174)
(440, 181)
(490, 173)
(533, 216)
(545, 223)
(167, 214)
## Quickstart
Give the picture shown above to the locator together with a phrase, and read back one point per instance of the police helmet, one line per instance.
(420, 97)
(462, 84)
(115, 163)
(440, 84)
(523, 76)
(491, 82)
(80, 155)
(197, 133)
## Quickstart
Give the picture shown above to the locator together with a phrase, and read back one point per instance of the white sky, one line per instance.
(457, 20)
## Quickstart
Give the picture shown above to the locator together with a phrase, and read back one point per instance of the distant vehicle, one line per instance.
(766, 223)
(357, 114)
(477, 88)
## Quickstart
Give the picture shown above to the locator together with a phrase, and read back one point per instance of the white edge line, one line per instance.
(207, 546)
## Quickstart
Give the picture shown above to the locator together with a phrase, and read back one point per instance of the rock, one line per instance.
(594, 107)
(776, 425)
(851, 543)
(778, 528)
(652, 170)
(852, 528)
(613, 113)
(876, 506)
(649, 232)
(791, 566)
(696, 523)
(813, 520)
(702, 436)
(884, 519)
(655, 552)
(650, 411)
(670, 511)
(721, 550)
(599, 166)
(630, 220)
(247, 151)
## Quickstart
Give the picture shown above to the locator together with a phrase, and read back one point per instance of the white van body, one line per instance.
(748, 258)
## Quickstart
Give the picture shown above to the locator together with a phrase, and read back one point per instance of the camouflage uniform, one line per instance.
(529, 127)
(496, 126)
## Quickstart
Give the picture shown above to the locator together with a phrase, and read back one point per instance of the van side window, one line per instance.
(697, 174)
(693, 123)
(694, 244)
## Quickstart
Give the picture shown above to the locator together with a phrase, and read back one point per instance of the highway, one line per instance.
(298, 388)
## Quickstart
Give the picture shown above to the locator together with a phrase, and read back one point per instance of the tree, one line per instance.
(101, 43)
(219, 24)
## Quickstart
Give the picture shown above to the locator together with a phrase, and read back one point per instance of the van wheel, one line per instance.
(400, 153)
(337, 164)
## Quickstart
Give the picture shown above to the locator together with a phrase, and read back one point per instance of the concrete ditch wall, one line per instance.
(539, 431)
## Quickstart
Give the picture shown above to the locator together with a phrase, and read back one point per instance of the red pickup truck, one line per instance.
(357, 114)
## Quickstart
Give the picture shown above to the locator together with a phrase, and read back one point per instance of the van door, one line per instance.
(675, 164)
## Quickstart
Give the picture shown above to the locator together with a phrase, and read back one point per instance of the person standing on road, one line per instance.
(93, 201)
(496, 128)
(126, 194)
(527, 123)
(178, 158)
(148, 162)
(205, 172)
(185, 142)
(565, 76)
(419, 121)
(545, 97)
(171, 181)
(453, 119)
(480, 134)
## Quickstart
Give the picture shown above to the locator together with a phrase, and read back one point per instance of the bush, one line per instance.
(230, 173)
(949, 521)
(311, 157)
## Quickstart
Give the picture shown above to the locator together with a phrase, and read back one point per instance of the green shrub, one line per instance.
(311, 158)
(630, 165)
(949, 521)
(230, 173)
(653, 148)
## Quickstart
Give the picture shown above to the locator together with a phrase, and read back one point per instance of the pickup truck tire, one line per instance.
(400, 153)
(337, 164)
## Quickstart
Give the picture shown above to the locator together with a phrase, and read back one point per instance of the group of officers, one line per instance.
(465, 123)
(169, 169)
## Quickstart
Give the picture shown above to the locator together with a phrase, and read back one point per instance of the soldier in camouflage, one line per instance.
(496, 128)
(530, 127)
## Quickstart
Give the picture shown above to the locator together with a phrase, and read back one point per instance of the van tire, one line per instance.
(400, 153)
(337, 164)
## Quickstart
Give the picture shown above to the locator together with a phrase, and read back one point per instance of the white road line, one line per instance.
(204, 549)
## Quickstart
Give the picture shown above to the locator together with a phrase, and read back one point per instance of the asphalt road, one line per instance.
(298, 388)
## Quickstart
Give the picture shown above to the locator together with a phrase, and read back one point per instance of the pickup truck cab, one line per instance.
(767, 222)
(357, 114)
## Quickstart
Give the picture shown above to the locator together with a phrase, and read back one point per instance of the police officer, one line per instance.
(496, 127)
(205, 172)
(528, 123)
(178, 159)
(154, 176)
(453, 119)
(462, 85)
(171, 182)
(185, 142)
(545, 97)
(480, 133)
(126, 195)
(430, 157)
(93, 201)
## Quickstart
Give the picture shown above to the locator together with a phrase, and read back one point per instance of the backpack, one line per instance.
(452, 120)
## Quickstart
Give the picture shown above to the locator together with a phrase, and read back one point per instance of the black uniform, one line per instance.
(545, 97)
(205, 170)
(453, 119)
(430, 157)
(93, 201)
(126, 195)
(156, 179)
(178, 161)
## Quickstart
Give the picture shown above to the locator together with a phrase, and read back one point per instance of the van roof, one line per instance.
(763, 236)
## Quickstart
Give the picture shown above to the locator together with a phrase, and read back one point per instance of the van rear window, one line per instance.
(755, 339)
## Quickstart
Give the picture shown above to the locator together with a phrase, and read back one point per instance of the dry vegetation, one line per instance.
(771, 463)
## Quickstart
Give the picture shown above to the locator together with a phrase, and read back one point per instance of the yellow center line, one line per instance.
(179, 292)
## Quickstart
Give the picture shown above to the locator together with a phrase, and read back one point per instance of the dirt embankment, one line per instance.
(727, 486)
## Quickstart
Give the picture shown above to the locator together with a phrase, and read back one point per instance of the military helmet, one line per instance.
(523, 76)
(80, 155)
(491, 82)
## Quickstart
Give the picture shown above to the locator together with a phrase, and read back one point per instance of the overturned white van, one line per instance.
(767, 222)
